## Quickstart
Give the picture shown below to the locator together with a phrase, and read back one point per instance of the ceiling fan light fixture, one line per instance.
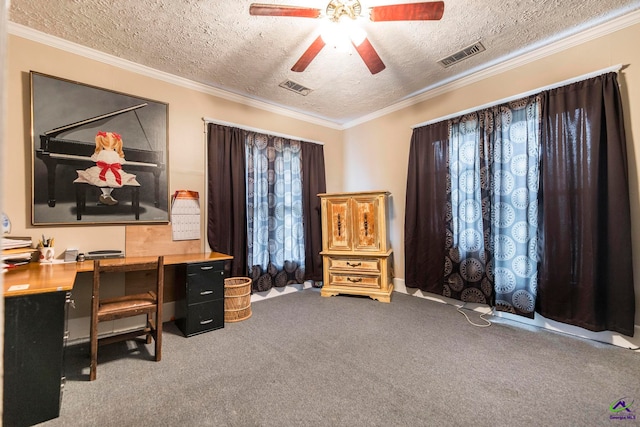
(339, 35)
(332, 34)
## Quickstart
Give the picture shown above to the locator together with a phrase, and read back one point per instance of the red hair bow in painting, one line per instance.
(115, 135)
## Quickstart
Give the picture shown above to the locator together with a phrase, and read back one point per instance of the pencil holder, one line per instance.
(47, 254)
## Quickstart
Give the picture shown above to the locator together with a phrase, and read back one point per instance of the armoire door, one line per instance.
(366, 223)
(338, 220)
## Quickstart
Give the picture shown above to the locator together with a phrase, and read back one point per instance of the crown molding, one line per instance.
(504, 64)
(93, 54)
(453, 83)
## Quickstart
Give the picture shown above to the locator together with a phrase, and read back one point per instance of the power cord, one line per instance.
(459, 309)
(463, 306)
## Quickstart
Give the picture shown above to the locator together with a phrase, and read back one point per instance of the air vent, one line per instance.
(295, 87)
(461, 55)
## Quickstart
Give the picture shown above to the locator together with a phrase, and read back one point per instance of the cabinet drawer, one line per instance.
(354, 280)
(205, 282)
(355, 264)
(205, 316)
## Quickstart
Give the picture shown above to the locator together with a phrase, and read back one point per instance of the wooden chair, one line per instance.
(148, 303)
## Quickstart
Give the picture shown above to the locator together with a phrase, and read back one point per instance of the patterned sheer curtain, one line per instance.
(468, 239)
(275, 228)
(491, 252)
(514, 201)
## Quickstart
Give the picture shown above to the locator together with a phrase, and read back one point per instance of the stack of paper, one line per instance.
(9, 242)
(17, 250)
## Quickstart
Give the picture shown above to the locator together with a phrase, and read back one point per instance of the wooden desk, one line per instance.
(168, 260)
(35, 333)
(43, 278)
(36, 278)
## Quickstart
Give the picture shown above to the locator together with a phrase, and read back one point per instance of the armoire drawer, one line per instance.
(371, 265)
(354, 280)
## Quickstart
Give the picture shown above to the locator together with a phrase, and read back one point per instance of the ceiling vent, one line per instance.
(465, 53)
(295, 87)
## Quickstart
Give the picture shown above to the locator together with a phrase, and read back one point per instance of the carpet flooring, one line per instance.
(305, 360)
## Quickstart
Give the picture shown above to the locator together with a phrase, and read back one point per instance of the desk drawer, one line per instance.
(204, 317)
(205, 282)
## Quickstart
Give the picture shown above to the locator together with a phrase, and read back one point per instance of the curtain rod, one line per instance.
(251, 129)
(613, 68)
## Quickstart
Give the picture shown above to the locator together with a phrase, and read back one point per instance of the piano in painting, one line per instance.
(55, 150)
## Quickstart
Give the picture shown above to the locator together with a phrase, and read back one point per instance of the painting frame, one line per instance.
(98, 156)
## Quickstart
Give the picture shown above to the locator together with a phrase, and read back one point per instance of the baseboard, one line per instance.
(538, 321)
(276, 292)
(79, 327)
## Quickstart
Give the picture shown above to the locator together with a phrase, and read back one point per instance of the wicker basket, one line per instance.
(237, 299)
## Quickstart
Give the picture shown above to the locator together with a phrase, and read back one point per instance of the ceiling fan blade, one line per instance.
(259, 9)
(425, 11)
(308, 55)
(369, 56)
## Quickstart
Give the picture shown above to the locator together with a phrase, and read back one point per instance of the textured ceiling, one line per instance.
(217, 43)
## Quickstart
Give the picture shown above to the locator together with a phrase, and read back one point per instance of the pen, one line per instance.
(45, 243)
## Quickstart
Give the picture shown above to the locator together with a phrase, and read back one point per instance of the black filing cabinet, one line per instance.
(34, 340)
(200, 302)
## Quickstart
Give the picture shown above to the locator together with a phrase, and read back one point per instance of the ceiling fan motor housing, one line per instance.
(336, 9)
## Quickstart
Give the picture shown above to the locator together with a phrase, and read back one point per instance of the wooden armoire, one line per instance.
(357, 257)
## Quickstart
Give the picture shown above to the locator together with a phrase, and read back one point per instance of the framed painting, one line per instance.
(99, 156)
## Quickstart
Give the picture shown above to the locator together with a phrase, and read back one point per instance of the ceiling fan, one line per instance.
(337, 10)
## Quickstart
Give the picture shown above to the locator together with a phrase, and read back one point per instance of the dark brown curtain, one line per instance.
(313, 183)
(425, 222)
(227, 204)
(585, 276)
